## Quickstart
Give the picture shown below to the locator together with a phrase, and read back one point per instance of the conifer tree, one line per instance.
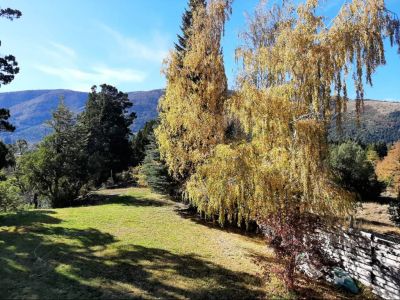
(187, 21)
(107, 122)
(140, 142)
(191, 112)
(155, 171)
(8, 69)
(56, 170)
(292, 64)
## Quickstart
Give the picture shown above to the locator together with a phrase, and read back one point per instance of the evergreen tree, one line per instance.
(187, 21)
(155, 171)
(8, 69)
(140, 141)
(8, 64)
(353, 171)
(56, 170)
(107, 124)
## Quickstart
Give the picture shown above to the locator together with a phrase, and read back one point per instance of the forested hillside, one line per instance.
(31, 109)
(380, 121)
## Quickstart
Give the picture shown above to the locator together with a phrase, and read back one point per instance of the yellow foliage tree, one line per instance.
(388, 169)
(191, 113)
(292, 64)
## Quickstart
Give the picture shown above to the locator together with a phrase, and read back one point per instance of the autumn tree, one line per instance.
(388, 169)
(191, 112)
(293, 62)
(187, 20)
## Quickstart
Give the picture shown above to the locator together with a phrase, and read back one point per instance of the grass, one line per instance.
(374, 216)
(133, 244)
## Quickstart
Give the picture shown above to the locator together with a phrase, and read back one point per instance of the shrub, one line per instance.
(10, 197)
(353, 170)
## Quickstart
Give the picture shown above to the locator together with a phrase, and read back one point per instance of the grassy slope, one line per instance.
(137, 245)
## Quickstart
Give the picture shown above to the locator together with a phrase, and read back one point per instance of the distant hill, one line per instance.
(31, 109)
(380, 121)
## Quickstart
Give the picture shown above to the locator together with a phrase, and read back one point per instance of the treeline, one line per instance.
(82, 153)
(374, 127)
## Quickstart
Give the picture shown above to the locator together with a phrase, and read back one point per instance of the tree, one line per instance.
(140, 142)
(354, 171)
(388, 169)
(380, 148)
(10, 198)
(278, 175)
(107, 122)
(8, 64)
(57, 170)
(155, 171)
(8, 69)
(191, 112)
(187, 21)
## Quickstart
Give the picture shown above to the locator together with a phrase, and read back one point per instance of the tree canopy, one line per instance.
(292, 64)
(191, 113)
(106, 121)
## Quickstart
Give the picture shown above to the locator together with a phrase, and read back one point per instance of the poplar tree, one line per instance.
(191, 112)
(292, 65)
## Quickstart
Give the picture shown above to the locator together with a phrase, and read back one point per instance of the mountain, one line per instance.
(31, 109)
(379, 121)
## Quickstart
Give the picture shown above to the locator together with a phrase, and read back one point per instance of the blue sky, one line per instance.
(74, 44)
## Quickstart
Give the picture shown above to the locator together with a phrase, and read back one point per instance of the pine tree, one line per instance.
(140, 141)
(155, 171)
(8, 69)
(8, 64)
(107, 122)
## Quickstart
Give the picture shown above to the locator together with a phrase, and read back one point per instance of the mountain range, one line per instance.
(380, 120)
(31, 109)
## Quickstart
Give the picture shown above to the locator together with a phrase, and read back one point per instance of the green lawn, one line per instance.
(135, 245)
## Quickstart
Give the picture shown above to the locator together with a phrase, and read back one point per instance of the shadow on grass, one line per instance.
(27, 218)
(193, 215)
(52, 262)
(100, 199)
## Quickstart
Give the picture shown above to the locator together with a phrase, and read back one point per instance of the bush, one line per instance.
(353, 170)
(154, 171)
(10, 197)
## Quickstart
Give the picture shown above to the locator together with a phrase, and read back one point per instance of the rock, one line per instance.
(342, 279)
(305, 265)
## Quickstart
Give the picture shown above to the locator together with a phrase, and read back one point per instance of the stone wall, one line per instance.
(372, 259)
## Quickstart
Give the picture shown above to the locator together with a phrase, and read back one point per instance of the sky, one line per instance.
(74, 44)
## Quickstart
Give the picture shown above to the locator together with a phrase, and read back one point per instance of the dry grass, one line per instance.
(375, 217)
